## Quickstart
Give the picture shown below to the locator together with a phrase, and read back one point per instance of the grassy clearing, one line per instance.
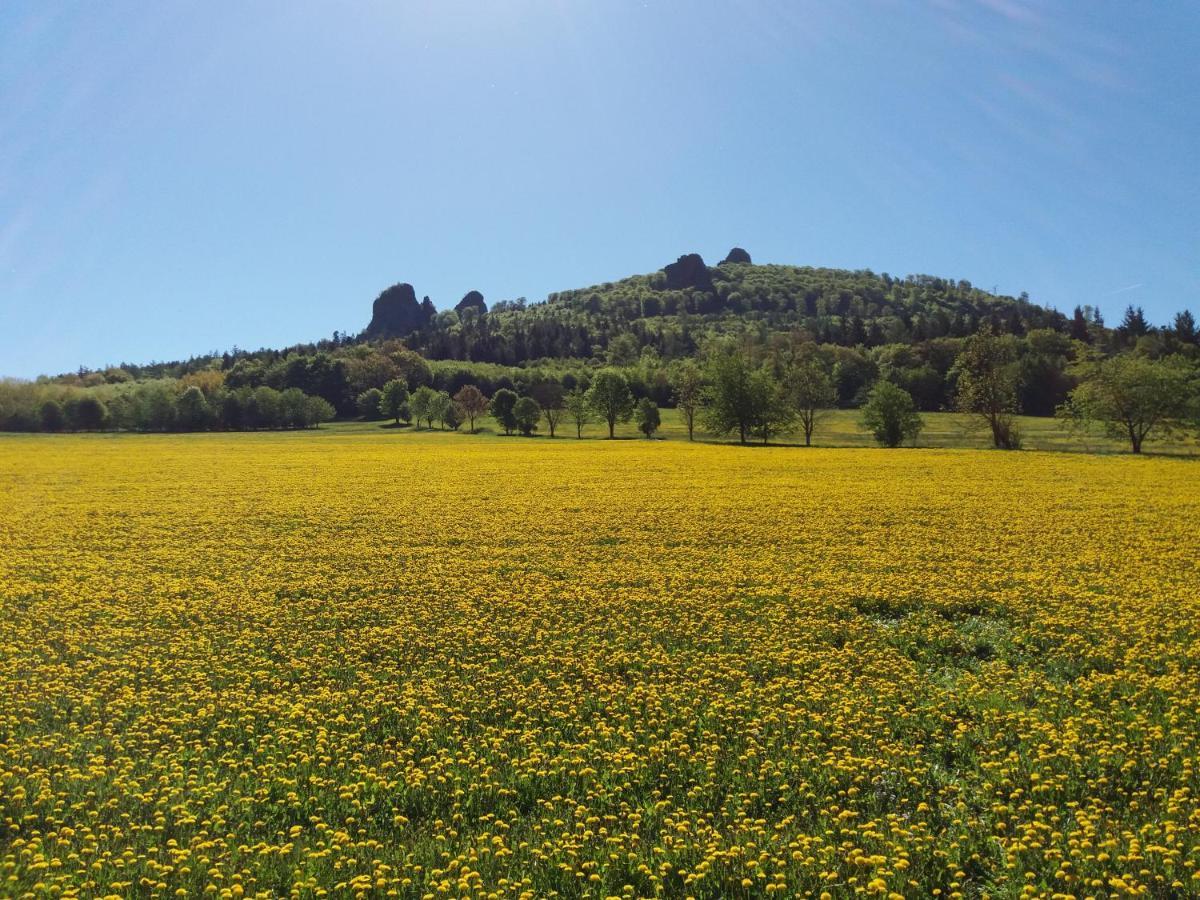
(840, 428)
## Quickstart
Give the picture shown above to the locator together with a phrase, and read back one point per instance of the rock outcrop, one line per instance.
(689, 271)
(473, 300)
(737, 255)
(396, 313)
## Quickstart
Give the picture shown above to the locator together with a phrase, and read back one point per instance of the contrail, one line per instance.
(1131, 287)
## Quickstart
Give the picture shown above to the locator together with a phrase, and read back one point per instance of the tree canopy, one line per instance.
(611, 399)
(890, 415)
(1133, 397)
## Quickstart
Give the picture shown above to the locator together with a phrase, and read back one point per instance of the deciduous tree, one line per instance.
(192, 412)
(688, 387)
(526, 413)
(501, 406)
(811, 392)
(987, 385)
(1132, 397)
(88, 413)
(776, 414)
(422, 405)
(394, 402)
(890, 414)
(444, 410)
(369, 404)
(472, 402)
(648, 418)
(610, 398)
(51, 416)
(579, 409)
(549, 396)
(736, 397)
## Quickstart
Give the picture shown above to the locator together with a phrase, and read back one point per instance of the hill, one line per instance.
(676, 309)
(863, 326)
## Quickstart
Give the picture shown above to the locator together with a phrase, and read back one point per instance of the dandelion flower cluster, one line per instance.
(351, 665)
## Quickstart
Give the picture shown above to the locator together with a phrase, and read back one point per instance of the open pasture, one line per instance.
(842, 428)
(364, 662)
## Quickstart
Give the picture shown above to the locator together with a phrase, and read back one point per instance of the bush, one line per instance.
(52, 416)
(890, 415)
(369, 404)
(317, 410)
(648, 418)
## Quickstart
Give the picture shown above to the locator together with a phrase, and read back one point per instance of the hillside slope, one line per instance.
(675, 309)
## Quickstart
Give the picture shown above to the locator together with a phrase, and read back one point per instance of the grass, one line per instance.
(840, 428)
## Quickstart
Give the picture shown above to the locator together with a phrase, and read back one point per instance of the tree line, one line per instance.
(607, 398)
(996, 373)
(193, 403)
(1130, 395)
(745, 390)
(340, 370)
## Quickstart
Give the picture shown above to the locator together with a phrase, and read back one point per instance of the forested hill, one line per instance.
(863, 327)
(675, 309)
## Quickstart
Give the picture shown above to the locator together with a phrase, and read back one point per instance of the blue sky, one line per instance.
(180, 177)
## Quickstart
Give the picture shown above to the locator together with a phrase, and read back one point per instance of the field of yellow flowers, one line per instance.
(435, 666)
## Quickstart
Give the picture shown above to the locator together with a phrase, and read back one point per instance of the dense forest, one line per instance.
(676, 310)
(862, 327)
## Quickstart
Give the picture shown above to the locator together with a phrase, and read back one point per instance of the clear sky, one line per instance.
(178, 177)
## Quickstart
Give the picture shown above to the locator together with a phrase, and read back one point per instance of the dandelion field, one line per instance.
(433, 666)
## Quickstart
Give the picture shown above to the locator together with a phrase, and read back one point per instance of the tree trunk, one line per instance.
(1135, 439)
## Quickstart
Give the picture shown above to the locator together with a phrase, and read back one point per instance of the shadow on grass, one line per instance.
(957, 441)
